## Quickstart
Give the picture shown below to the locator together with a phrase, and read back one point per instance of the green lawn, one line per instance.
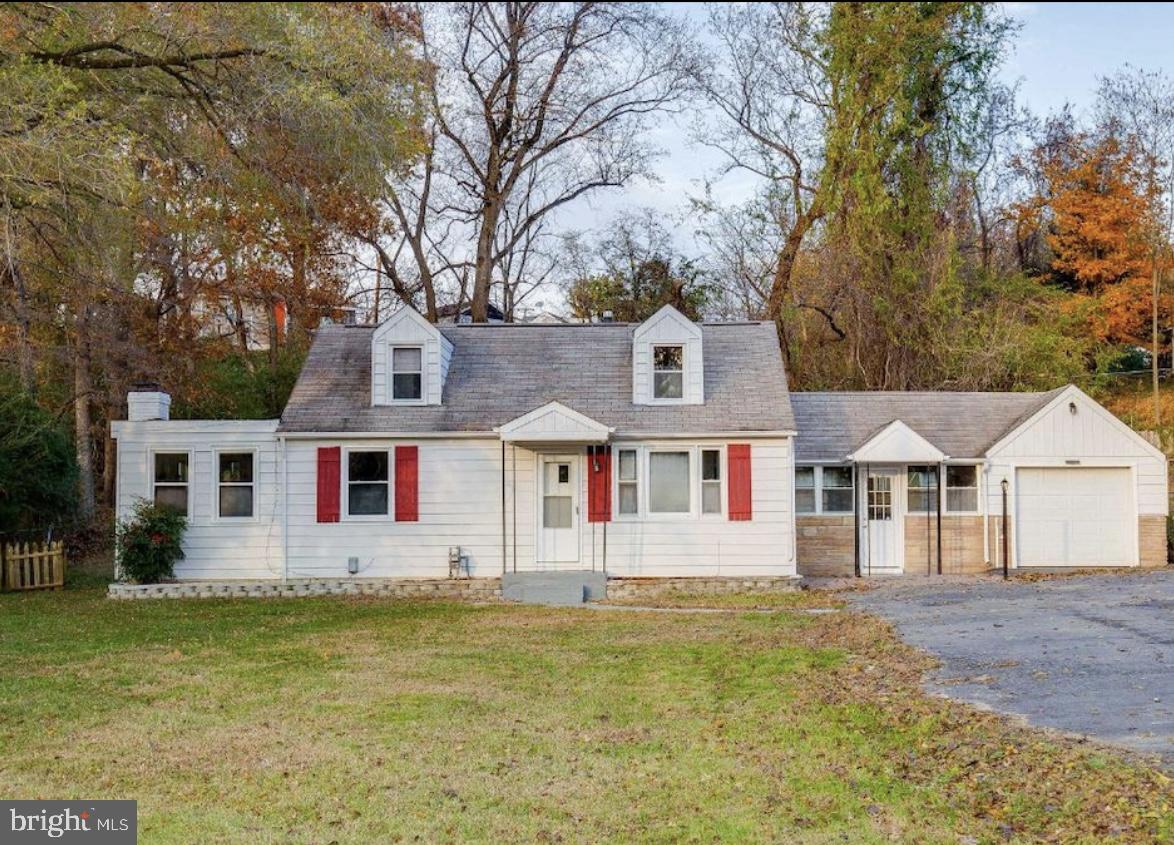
(363, 721)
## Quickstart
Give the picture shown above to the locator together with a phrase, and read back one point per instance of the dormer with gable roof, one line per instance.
(668, 364)
(409, 361)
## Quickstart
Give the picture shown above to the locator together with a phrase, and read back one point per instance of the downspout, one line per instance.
(503, 557)
(857, 495)
(938, 507)
(986, 514)
(928, 556)
(284, 509)
(514, 502)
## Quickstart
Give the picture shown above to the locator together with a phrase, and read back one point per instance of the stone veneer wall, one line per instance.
(962, 549)
(470, 589)
(1151, 533)
(635, 588)
(825, 545)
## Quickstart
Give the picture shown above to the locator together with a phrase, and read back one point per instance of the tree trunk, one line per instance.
(82, 422)
(109, 461)
(781, 284)
(483, 264)
(1157, 288)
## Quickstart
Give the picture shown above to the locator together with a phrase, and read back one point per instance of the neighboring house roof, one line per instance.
(500, 372)
(963, 425)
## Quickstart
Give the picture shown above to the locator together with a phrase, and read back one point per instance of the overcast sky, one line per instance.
(1059, 53)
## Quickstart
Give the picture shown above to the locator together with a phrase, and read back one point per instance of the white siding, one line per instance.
(459, 501)
(706, 545)
(213, 547)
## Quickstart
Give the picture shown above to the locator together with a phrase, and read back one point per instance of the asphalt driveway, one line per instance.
(1091, 655)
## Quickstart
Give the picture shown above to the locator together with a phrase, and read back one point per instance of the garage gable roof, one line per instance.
(962, 425)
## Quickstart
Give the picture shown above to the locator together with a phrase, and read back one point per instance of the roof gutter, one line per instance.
(493, 435)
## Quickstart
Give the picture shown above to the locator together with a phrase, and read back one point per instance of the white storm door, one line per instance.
(558, 509)
(884, 531)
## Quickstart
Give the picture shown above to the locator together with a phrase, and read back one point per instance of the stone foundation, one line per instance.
(962, 548)
(635, 588)
(468, 589)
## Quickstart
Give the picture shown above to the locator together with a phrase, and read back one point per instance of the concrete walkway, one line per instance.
(1091, 655)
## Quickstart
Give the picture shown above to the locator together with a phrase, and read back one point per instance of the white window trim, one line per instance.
(216, 484)
(345, 475)
(722, 482)
(817, 489)
(670, 516)
(391, 400)
(977, 511)
(653, 399)
(191, 482)
(909, 488)
(639, 482)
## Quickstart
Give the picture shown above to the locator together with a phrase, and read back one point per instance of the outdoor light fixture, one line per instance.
(1072, 408)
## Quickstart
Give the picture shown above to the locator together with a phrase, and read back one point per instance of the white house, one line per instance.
(667, 448)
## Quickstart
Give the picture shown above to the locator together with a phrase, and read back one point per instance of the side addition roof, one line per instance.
(962, 425)
(500, 372)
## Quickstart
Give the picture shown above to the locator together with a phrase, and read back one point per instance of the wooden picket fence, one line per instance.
(33, 566)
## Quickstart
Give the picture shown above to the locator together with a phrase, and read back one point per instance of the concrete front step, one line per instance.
(554, 588)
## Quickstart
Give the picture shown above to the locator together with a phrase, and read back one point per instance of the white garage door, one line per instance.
(1076, 516)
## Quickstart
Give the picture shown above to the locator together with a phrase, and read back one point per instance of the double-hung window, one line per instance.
(234, 493)
(368, 485)
(407, 373)
(711, 481)
(962, 489)
(668, 482)
(668, 372)
(627, 483)
(922, 485)
(805, 489)
(172, 480)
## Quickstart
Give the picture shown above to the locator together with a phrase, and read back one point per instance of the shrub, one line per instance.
(38, 473)
(149, 543)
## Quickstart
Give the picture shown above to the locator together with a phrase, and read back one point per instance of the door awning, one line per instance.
(554, 423)
(897, 443)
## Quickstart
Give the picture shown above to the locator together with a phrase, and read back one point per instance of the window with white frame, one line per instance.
(805, 490)
(234, 483)
(368, 483)
(962, 489)
(668, 372)
(711, 481)
(824, 490)
(628, 485)
(668, 482)
(407, 373)
(171, 480)
(835, 489)
(922, 486)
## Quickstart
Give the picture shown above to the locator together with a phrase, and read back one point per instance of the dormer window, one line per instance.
(407, 374)
(668, 376)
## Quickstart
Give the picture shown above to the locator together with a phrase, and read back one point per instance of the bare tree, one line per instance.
(539, 104)
(1142, 102)
(769, 84)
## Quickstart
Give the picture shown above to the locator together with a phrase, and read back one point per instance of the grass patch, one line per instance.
(751, 600)
(353, 720)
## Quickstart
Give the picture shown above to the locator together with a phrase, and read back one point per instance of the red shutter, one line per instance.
(738, 466)
(329, 465)
(599, 484)
(407, 483)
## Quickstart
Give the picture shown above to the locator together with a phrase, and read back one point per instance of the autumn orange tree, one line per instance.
(1097, 206)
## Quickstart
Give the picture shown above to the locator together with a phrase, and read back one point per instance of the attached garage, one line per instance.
(1076, 516)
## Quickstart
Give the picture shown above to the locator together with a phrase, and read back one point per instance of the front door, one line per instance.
(558, 510)
(883, 524)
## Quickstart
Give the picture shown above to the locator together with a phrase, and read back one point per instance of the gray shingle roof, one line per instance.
(963, 425)
(499, 372)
